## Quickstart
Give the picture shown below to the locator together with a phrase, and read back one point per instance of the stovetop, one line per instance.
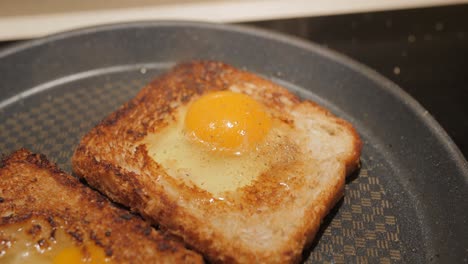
(424, 51)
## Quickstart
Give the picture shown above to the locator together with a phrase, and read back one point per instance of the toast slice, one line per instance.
(269, 220)
(48, 216)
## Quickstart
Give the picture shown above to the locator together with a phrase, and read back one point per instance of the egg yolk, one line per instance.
(75, 255)
(226, 121)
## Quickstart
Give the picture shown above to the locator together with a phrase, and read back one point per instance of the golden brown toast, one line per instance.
(269, 220)
(45, 212)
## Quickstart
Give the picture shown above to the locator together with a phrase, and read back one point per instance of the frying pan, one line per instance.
(407, 202)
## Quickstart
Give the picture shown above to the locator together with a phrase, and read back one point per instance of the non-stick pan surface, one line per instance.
(406, 204)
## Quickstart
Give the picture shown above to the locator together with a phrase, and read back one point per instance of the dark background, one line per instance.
(424, 51)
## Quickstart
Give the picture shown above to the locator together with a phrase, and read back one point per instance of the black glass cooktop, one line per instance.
(424, 51)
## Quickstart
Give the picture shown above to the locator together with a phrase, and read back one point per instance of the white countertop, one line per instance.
(30, 18)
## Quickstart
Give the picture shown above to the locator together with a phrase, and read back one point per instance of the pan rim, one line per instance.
(384, 83)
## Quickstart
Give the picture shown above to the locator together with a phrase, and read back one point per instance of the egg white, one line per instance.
(215, 172)
(22, 247)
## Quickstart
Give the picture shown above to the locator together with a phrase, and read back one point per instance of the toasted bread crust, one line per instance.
(112, 159)
(32, 188)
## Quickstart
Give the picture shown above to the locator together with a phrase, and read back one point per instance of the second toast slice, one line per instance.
(48, 216)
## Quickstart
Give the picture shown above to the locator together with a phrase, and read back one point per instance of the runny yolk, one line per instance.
(226, 121)
(82, 255)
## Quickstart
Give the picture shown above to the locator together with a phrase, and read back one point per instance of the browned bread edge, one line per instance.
(122, 186)
(85, 214)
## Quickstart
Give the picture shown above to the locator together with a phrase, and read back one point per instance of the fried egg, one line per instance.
(34, 241)
(222, 141)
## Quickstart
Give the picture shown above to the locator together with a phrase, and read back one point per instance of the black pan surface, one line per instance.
(407, 204)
